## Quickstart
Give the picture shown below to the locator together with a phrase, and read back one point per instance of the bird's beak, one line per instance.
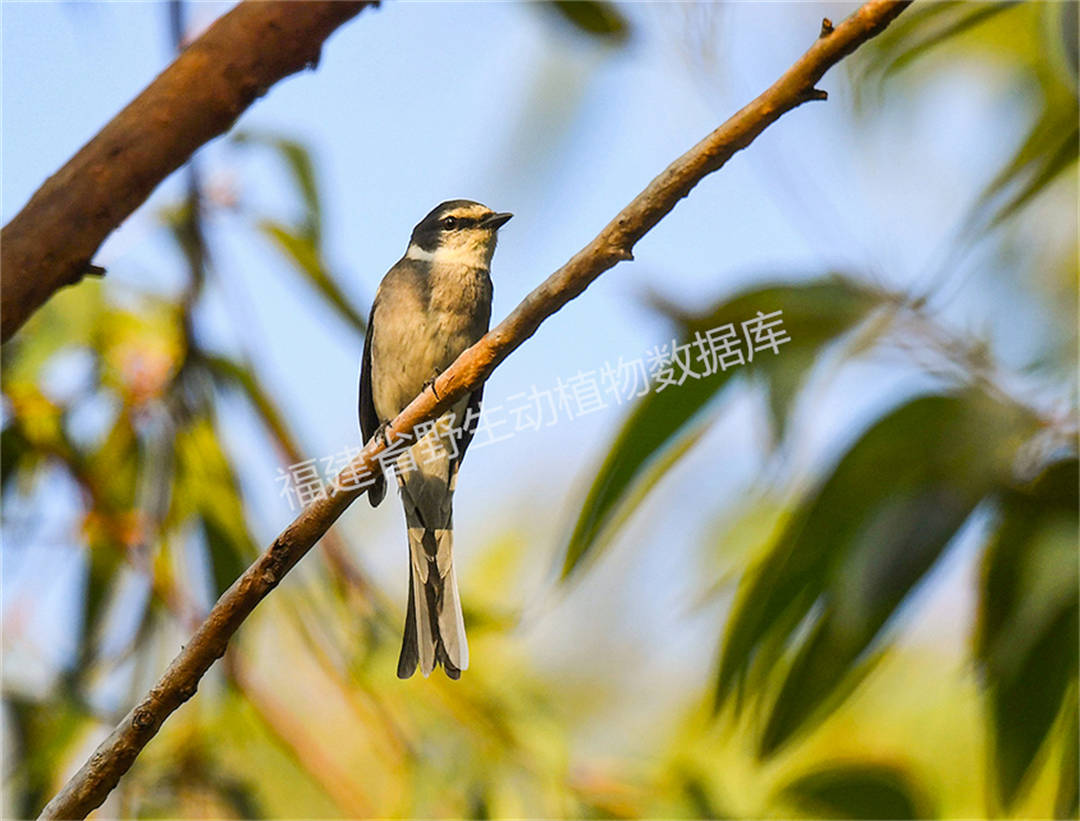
(494, 221)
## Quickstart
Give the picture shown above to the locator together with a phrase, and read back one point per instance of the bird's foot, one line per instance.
(431, 383)
(380, 433)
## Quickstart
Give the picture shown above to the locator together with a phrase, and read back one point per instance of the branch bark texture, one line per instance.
(89, 787)
(50, 242)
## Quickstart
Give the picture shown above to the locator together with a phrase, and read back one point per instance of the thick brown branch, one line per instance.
(50, 242)
(88, 788)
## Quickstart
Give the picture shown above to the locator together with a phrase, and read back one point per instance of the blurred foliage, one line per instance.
(595, 18)
(1037, 42)
(825, 579)
(1029, 611)
(855, 549)
(160, 501)
(812, 710)
(858, 790)
(302, 243)
(649, 442)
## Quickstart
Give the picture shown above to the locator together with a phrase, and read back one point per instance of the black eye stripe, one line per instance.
(429, 232)
(460, 222)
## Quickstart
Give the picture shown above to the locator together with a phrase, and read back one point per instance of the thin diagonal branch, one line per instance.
(89, 787)
(50, 242)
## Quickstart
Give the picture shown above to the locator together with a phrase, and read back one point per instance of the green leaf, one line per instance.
(206, 488)
(104, 559)
(1067, 801)
(595, 18)
(298, 160)
(1059, 155)
(243, 377)
(851, 790)
(43, 732)
(15, 453)
(71, 318)
(1025, 42)
(1069, 21)
(854, 550)
(660, 427)
(228, 556)
(1026, 640)
(901, 541)
(305, 255)
(698, 796)
(113, 467)
(929, 26)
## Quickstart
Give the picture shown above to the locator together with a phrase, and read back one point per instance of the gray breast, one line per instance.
(425, 315)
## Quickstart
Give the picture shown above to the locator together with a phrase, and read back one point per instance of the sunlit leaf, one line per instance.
(931, 25)
(1070, 38)
(853, 790)
(141, 350)
(228, 558)
(15, 454)
(302, 170)
(657, 430)
(240, 796)
(304, 253)
(1027, 636)
(70, 318)
(1067, 801)
(698, 796)
(114, 465)
(1030, 178)
(1022, 37)
(856, 548)
(43, 732)
(207, 489)
(597, 18)
(302, 244)
(104, 558)
(232, 373)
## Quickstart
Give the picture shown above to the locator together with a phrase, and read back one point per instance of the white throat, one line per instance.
(473, 256)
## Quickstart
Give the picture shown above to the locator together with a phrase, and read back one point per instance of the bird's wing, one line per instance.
(369, 420)
(466, 435)
(474, 406)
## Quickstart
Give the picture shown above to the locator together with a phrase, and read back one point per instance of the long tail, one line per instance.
(434, 626)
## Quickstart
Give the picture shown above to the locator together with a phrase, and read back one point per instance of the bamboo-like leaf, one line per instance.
(302, 170)
(1061, 155)
(71, 318)
(113, 467)
(15, 454)
(815, 313)
(1067, 800)
(929, 26)
(596, 18)
(1026, 641)
(110, 526)
(1069, 23)
(856, 548)
(243, 378)
(43, 733)
(304, 253)
(1053, 140)
(859, 790)
(206, 488)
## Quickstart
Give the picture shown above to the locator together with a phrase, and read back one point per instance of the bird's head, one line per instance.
(460, 232)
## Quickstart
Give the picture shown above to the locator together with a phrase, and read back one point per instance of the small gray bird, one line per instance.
(432, 305)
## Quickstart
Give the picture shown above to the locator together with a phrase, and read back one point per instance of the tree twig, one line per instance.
(93, 782)
(50, 242)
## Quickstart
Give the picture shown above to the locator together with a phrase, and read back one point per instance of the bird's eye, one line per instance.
(449, 223)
